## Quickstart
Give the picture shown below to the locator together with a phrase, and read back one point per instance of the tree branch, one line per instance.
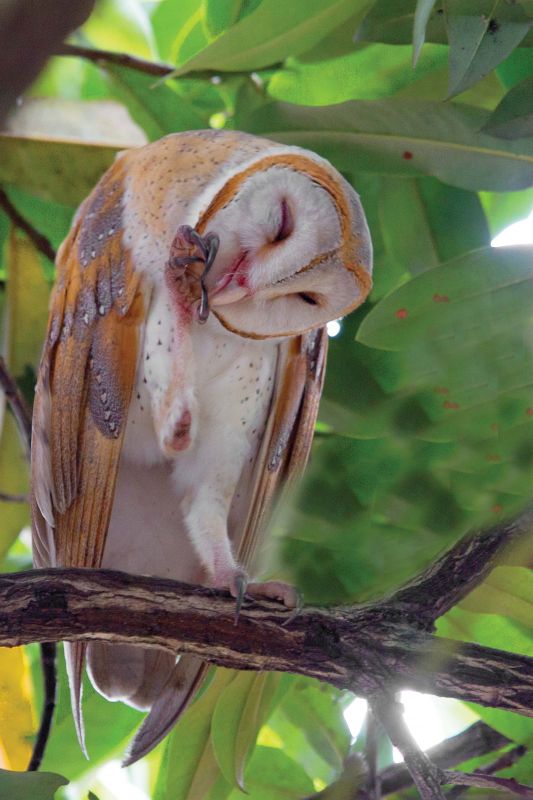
(39, 240)
(351, 648)
(488, 782)
(103, 57)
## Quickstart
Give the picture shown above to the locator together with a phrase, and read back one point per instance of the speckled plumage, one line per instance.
(159, 444)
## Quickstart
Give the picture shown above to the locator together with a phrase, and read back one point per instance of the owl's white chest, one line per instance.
(196, 420)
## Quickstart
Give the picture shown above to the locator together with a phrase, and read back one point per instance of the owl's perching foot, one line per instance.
(269, 590)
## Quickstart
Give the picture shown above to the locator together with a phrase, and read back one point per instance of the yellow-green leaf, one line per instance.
(238, 717)
(23, 327)
(16, 709)
(507, 591)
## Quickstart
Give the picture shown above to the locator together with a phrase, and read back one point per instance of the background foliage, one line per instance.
(426, 422)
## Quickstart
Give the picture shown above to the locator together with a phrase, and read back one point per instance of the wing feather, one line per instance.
(83, 392)
(286, 444)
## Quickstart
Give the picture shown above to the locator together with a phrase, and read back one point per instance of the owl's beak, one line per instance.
(232, 286)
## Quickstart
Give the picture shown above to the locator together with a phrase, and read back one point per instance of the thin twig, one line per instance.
(49, 667)
(505, 761)
(477, 740)
(426, 776)
(48, 649)
(488, 782)
(17, 403)
(6, 497)
(103, 57)
(371, 753)
(39, 240)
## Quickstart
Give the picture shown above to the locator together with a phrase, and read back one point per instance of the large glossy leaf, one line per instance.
(368, 72)
(189, 768)
(272, 775)
(502, 209)
(403, 137)
(480, 41)
(392, 21)
(513, 118)
(17, 713)
(169, 18)
(273, 31)
(61, 171)
(37, 785)
(239, 714)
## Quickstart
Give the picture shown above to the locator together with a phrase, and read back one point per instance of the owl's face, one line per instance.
(294, 250)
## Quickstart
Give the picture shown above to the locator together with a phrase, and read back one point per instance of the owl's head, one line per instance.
(295, 251)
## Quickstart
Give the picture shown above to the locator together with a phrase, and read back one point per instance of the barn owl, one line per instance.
(181, 374)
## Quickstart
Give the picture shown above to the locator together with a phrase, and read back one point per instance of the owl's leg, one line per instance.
(205, 511)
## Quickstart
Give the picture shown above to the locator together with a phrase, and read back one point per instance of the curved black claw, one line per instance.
(240, 585)
(211, 244)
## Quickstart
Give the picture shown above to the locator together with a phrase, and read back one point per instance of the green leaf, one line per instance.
(422, 14)
(502, 209)
(222, 14)
(37, 785)
(239, 714)
(403, 137)
(273, 31)
(315, 710)
(272, 775)
(159, 108)
(417, 235)
(189, 767)
(513, 118)
(62, 171)
(169, 17)
(483, 286)
(367, 72)
(490, 630)
(121, 25)
(479, 42)
(507, 591)
(24, 325)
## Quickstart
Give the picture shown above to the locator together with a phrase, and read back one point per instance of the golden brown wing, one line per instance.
(83, 392)
(287, 442)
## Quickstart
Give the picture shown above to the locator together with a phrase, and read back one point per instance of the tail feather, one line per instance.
(75, 661)
(172, 701)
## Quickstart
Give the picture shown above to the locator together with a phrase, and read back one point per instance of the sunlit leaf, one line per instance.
(37, 785)
(271, 32)
(367, 72)
(403, 137)
(168, 19)
(121, 25)
(17, 713)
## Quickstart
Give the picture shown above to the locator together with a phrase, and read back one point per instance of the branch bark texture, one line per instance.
(362, 649)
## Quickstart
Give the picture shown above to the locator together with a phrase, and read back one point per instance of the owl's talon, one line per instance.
(239, 584)
(281, 592)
